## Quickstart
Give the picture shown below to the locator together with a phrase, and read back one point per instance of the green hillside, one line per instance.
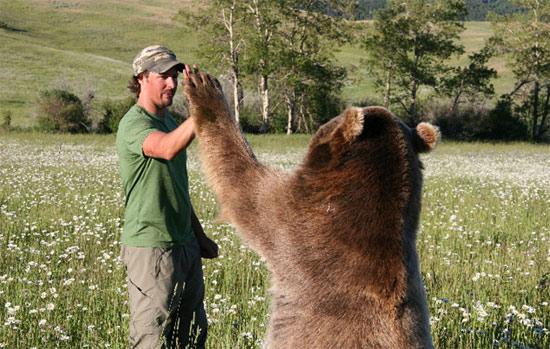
(86, 45)
(89, 45)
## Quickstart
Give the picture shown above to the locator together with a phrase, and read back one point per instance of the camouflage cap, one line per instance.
(156, 59)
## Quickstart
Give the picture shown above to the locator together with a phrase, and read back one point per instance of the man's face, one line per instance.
(160, 88)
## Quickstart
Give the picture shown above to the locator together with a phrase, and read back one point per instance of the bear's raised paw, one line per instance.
(205, 96)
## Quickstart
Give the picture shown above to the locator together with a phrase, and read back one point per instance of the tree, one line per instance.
(220, 28)
(471, 80)
(282, 39)
(385, 49)
(526, 37)
(409, 45)
(265, 21)
(307, 47)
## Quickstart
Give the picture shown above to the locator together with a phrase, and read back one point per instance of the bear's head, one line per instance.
(362, 135)
(368, 154)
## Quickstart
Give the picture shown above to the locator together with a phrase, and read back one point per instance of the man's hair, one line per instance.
(133, 84)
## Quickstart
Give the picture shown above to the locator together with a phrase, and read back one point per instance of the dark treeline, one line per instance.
(477, 10)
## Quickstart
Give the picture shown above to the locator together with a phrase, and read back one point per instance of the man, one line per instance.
(162, 239)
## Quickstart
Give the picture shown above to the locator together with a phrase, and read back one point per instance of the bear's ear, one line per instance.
(352, 124)
(425, 137)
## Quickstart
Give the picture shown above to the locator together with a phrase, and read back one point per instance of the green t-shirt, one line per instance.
(158, 208)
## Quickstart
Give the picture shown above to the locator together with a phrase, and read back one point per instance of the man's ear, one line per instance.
(425, 137)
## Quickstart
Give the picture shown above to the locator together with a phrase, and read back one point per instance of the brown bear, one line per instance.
(338, 234)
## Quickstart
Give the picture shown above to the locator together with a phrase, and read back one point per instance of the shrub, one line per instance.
(111, 113)
(250, 120)
(463, 123)
(6, 120)
(278, 122)
(472, 122)
(502, 124)
(61, 111)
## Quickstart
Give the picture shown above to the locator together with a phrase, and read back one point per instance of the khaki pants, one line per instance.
(166, 293)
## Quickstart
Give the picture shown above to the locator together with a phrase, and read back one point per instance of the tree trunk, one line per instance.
(291, 110)
(234, 54)
(264, 95)
(542, 126)
(236, 95)
(303, 124)
(535, 111)
(412, 110)
(387, 89)
(263, 33)
(455, 102)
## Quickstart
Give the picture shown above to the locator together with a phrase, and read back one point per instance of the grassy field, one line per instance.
(82, 45)
(89, 45)
(484, 246)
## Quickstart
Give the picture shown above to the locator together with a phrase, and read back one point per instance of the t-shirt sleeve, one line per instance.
(136, 132)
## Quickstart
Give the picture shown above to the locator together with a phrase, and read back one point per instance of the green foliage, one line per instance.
(306, 62)
(282, 49)
(208, 26)
(472, 81)
(279, 123)
(321, 98)
(61, 111)
(261, 35)
(526, 37)
(111, 113)
(532, 107)
(501, 124)
(409, 46)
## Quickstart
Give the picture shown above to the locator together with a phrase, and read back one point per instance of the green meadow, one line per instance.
(483, 243)
(89, 45)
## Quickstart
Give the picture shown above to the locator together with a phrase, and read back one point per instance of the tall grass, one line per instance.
(484, 246)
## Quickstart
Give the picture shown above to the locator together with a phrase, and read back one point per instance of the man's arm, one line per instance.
(166, 146)
(209, 249)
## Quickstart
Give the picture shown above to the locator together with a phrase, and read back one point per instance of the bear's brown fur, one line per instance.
(338, 234)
